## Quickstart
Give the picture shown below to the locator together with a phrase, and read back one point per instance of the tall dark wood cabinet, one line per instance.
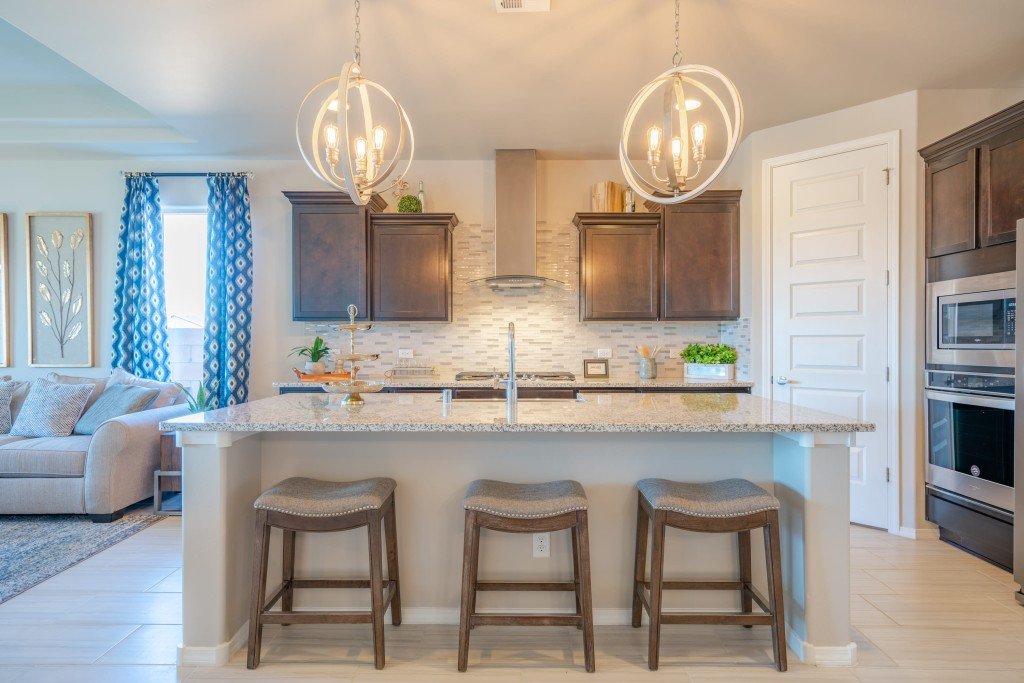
(974, 196)
(620, 274)
(701, 258)
(330, 268)
(411, 266)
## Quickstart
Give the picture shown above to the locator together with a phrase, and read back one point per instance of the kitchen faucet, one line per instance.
(511, 384)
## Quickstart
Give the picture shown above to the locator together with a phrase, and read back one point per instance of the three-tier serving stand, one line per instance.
(352, 388)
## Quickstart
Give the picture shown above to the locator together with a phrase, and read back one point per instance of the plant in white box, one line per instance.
(709, 362)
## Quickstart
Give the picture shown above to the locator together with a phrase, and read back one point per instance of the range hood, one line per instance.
(515, 221)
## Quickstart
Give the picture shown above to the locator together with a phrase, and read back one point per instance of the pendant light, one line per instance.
(676, 146)
(342, 142)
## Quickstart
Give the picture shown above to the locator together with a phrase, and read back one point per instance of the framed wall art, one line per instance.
(60, 325)
(5, 296)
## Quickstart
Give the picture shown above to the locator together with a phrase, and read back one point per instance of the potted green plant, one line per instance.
(315, 353)
(199, 402)
(709, 361)
(410, 204)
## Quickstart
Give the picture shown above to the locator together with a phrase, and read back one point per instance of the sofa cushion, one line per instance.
(115, 401)
(51, 409)
(99, 384)
(7, 390)
(19, 399)
(47, 457)
(170, 393)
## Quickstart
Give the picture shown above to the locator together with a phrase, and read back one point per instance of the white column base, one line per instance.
(821, 656)
(218, 655)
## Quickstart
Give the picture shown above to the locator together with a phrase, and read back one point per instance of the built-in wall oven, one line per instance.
(972, 322)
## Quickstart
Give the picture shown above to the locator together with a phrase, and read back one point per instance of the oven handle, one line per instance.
(970, 399)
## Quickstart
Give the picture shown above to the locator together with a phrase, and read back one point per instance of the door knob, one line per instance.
(782, 381)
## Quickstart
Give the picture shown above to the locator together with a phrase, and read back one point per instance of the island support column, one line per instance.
(812, 481)
(220, 481)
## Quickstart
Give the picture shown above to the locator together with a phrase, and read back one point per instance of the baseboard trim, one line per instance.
(927, 533)
(219, 655)
(821, 656)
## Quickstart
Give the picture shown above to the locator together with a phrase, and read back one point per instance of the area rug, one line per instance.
(35, 547)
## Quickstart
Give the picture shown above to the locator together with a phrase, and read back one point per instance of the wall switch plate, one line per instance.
(405, 353)
(604, 353)
(542, 545)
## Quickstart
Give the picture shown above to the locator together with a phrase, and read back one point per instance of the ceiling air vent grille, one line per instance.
(503, 6)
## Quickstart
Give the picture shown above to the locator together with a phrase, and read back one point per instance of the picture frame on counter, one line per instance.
(59, 275)
(595, 368)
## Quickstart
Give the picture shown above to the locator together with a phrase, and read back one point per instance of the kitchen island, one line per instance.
(434, 449)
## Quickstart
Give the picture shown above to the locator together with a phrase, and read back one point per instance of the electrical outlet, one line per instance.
(604, 353)
(542, 545)
(405, 353)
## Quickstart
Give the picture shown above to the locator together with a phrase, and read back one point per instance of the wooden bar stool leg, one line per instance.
(391, 533)
(288, 571)
(583, 536)
(470, 554)
(475, 575)
(640, 571)
(576, 571)
(773, 560)
(746, 602)
(376, 590)
(258, 593)
(657, 576)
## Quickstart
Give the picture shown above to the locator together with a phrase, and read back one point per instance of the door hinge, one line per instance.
(888, 474)
(887, 278)
(888, 373)
(887, 172)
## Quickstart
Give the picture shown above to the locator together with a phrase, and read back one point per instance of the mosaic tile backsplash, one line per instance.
(549, 334)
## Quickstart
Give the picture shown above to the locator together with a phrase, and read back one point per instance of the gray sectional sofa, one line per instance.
(98, 475)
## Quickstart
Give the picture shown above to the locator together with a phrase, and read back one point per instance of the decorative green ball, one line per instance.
(409, 204)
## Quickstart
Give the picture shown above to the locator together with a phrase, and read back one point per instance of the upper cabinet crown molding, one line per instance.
(321, 197)
(448, 220)
(968, 137)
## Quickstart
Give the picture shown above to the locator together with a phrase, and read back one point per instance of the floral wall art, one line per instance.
(60, 289)
(5, 298)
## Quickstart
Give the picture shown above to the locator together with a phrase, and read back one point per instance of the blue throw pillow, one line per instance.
(115, 401)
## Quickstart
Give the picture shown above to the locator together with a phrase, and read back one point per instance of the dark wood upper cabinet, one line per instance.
(974, 196)
(619, 266)
(701, 258)
(411, 266)
(951, 213)
(330, 269)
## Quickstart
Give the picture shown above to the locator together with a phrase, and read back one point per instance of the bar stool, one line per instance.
(730, 505)
(526, 509)
(300, 504)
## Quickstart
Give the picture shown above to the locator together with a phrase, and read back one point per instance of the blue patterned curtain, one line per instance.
(226, 350)
(140, 309)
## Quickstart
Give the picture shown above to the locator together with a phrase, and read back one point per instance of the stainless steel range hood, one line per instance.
(515, 221)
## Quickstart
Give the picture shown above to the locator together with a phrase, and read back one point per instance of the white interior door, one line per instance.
(829, 241)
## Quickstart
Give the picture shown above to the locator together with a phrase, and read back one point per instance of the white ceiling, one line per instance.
(201, 78)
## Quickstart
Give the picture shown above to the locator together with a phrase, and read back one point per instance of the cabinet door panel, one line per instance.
(950, 197)
(328, 262)
(1002, 183)
(411, 273)
(701, 262)
(620, 272)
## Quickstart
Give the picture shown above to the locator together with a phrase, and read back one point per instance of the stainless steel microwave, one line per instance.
(972, 321)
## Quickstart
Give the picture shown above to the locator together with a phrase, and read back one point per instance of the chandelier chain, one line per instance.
(677, 56)
(356, 55)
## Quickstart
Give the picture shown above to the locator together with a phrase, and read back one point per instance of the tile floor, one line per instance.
(922, 611)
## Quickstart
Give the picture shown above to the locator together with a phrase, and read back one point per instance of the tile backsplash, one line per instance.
(549, 334)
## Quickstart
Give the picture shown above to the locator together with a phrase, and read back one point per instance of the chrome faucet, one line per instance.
(511, 384)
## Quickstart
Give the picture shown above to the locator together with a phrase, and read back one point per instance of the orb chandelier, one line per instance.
(677, 149)
(351, 155)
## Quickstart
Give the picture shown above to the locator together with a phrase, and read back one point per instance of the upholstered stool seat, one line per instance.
(525, 501)
(728, 506)
(526, 509)
(305, 505)
(726, 498)
(315, 498)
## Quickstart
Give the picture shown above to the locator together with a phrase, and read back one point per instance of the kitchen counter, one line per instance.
(449, 382)
(607, 442)
(634, 413)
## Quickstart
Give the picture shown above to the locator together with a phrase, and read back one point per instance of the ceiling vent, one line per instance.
(505, 6)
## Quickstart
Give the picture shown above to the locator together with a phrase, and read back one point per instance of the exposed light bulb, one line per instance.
(331, 136)
(677, 148)
(379, 137)
(653, 139)
(360, 144)
(699, 135)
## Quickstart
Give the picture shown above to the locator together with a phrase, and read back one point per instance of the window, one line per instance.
(185, 285)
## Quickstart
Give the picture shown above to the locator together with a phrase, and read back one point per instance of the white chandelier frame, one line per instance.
(351, 77)
(733, 125)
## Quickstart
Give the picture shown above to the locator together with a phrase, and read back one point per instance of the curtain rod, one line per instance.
(150, 174)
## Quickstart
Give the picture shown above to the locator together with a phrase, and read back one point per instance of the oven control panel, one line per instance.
(976, 383)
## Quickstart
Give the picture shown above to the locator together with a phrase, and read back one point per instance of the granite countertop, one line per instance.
(708, 412)
(443, 382)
